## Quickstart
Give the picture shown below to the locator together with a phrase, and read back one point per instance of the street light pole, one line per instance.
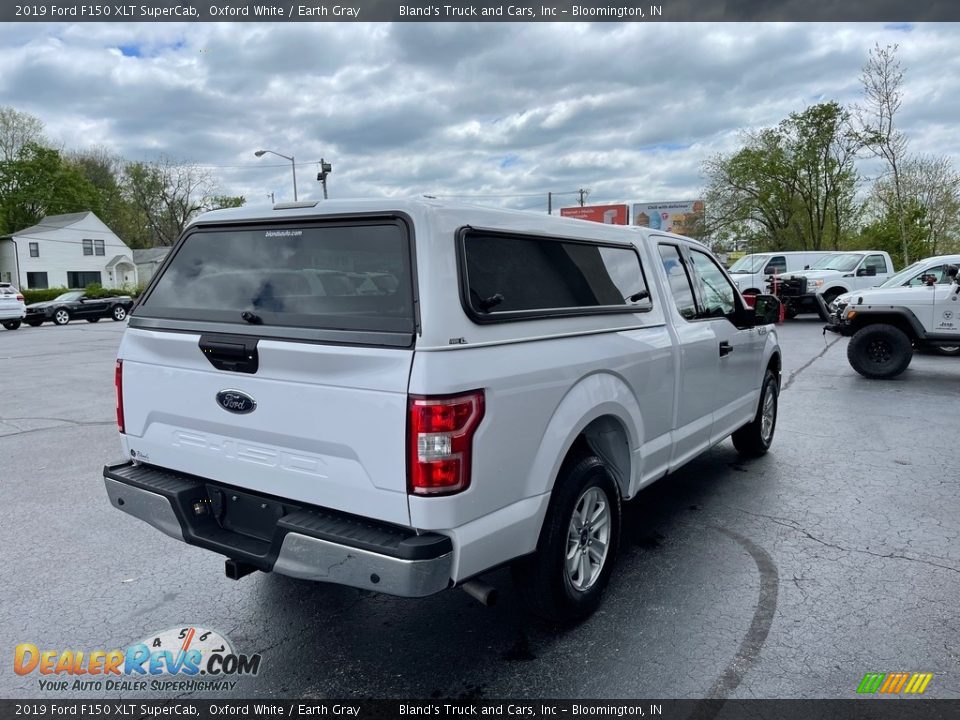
(293, 164)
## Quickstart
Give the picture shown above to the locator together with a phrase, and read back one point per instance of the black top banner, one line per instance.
(482, 11)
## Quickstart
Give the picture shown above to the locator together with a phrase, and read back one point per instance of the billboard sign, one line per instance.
(609, 214)
(679, 217)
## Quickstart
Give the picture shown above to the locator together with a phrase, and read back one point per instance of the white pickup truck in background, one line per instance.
(829, 278)
(400, 396)
(752, 273)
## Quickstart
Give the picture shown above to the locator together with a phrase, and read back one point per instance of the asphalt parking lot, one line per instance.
(793, 575)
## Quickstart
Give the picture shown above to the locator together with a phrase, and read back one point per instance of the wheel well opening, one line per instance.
(895, 320)
(606, 438)
(774, 365)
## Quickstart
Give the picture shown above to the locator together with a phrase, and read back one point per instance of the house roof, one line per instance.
(53, 222)
(148, 255)
(117, 259)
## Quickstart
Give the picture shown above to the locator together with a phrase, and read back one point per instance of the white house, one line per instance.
(148, 260)
(66, 251)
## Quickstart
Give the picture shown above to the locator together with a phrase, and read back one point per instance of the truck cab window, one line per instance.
(679, 281)
(716, 292)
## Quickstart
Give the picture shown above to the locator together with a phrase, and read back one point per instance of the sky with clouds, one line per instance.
(477, 111)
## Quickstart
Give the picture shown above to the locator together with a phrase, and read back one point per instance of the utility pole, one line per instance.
(272, 201)
(583, 195)
(325, 169)
(549, 203)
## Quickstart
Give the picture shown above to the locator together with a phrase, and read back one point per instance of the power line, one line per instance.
(501, 195)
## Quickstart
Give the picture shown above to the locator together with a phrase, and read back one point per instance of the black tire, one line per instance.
(61, 316)
(11, 324)
(93, 320)
(790, 312)
(547, 586)
(880, 351)
(34, 323)
(118, 313)
(755, 438)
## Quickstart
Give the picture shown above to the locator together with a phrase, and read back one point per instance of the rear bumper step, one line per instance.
(272, 534)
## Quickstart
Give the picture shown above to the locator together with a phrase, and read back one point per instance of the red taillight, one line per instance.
(118, 382)
(441, 440)
(19, 298)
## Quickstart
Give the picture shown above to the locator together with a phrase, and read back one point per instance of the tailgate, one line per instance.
(328, 428)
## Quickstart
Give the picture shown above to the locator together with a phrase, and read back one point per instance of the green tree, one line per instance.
(105, 171)
(18, 129)
(789, 187)
(39, 182)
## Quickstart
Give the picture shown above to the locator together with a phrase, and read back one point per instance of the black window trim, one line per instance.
(99, 247)
(321, 336)
(540, 313)
(34, 246)
(85, 245)
(694, 292)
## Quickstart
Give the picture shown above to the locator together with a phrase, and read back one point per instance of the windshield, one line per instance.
(843, 262)
(904, 275)
(749, 264)
(69, 296)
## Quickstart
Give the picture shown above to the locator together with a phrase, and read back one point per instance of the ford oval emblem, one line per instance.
(236, 402)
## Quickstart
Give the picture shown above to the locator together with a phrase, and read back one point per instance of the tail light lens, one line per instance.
(19, 298)
(441, 441)
(118, 382)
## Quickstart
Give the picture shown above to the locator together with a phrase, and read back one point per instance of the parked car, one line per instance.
(753, 272)
(75, 305)
(886, 324)
(12, 308)
(487, 389)
(831, 277)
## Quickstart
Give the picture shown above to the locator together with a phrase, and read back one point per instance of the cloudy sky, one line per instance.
(500, 113)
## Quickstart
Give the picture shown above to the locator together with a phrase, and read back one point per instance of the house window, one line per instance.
(98, 247)
(79, 280)
(34, 249)
(37, 280)
(88, 247)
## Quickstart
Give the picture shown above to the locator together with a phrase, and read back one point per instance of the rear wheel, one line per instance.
(61, 317)
(564, 580)
(11, 324)
(754, 439)
(119, 313)
(880, 351)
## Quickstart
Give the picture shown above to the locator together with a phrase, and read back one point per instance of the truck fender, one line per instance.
(598, 395)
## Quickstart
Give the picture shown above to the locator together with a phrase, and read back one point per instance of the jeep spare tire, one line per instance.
(880, 351)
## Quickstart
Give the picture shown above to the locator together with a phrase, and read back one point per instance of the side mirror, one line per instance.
(869, 271)
(767, 308)
(82, 298)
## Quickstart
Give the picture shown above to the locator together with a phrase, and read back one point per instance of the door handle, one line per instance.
(725, 348)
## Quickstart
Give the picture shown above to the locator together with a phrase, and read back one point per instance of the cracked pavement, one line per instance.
(788, 576)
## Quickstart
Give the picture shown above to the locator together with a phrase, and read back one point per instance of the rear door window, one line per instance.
(350, 276)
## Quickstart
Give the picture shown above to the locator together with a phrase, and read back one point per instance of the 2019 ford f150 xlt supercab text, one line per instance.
(399, 396)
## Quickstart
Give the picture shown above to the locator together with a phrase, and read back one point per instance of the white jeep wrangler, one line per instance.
(400, 396)
(885, 324)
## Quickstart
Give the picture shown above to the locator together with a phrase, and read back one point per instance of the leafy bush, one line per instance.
(93, 290)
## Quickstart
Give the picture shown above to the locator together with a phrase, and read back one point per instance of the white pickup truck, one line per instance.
(400, 396)
(831, 277)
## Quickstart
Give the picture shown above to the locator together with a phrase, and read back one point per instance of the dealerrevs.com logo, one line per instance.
(179, 659)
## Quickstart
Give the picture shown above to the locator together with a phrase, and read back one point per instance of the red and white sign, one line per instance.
(609, 214)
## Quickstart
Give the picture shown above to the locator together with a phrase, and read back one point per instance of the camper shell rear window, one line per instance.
(339, 276)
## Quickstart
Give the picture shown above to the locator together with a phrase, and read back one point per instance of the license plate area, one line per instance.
(240, 512)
